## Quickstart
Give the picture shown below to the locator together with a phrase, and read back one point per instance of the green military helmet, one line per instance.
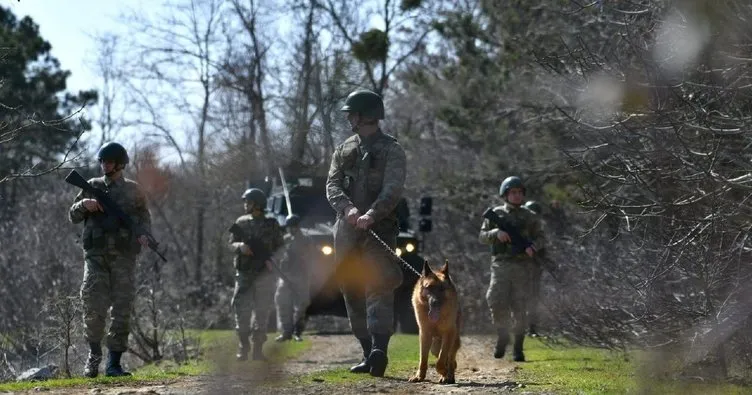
(533, 206)
(365, 102)
(255, 195)
(509, 183)
(113, 152)
(292, 220)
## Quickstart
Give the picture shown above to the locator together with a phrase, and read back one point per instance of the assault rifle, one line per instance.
(519, 243)
(261, 254)
(112, 210)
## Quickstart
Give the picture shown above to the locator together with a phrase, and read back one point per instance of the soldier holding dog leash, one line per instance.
(365, 182)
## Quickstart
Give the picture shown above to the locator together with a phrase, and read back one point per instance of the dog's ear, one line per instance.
(426, 268)
(445, 269)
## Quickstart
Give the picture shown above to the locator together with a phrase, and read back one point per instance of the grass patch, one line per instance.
(403, 354)
(570, 369)
(585, 370)
(149, 375)
(213, 343)
(163, 371)
(565, 369)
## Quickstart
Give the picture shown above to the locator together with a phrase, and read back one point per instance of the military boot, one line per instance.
(244, 347)
(378, 357)
(297, 332)
(113, 365)
(91, 369)
(363, 366)
(285, 336)
(501, 343)
(518, 355)
(533, 331)
(258, 351)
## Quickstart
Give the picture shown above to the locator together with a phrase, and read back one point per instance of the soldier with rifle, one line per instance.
(254, 239)
(514, 234)
(116, 226)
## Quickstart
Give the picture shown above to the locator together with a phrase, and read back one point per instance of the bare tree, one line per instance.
(381, 52)
(244, 71)
(302, 104)
(319, 73)
(108, 65)
(656, 134)
(178, 54)
(17, 124)
(330, 84)
(63, 313)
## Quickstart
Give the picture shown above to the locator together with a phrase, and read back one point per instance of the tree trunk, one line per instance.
(202, 200)
(325, 112)
(300, 134)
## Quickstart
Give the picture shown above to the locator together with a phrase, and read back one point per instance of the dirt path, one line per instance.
(477, 372)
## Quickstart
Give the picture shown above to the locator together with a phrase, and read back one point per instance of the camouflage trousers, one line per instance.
(508, 293)
(252, 303)
(536, 272)
(109, 282)
(291, 300)
(367, 275)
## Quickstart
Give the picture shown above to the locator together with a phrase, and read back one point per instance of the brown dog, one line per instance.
(437, 311)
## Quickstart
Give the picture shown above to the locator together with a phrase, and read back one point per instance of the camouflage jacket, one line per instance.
(527, 223)
(266, 230)
(368, 173)
(297, 253)
(104, 234)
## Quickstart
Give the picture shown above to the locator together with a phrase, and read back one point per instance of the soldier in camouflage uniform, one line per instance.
(110, 252)
(509, 290)
(365, 183)
(292, 297)
(535, 277)
(254, 278)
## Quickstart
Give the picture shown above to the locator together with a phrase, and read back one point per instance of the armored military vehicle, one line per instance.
(308, 200)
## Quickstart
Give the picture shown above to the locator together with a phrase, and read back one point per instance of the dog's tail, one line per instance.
(436, 346)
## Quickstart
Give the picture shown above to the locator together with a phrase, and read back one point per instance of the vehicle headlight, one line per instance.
(409, 247)
(327, 250)
(398, 251)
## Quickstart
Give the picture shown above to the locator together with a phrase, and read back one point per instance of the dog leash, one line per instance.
(389, 249)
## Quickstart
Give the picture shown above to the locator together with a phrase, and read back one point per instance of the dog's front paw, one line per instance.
(417, 378)
(446, 380)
